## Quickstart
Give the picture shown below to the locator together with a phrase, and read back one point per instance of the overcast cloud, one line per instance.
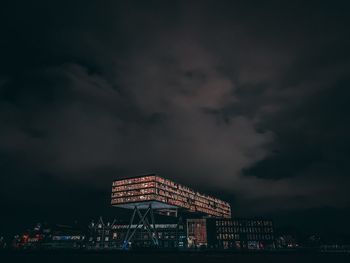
(248, 103)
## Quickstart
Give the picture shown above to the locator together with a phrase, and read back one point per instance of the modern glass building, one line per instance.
(162, 193)
(240, 233)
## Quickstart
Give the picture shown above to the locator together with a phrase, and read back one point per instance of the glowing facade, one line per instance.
(162, 194)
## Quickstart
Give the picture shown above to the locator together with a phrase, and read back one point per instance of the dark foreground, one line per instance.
(171, 257)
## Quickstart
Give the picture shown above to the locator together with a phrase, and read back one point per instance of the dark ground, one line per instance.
(171, 257)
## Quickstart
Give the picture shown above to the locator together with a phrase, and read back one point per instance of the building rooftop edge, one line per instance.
(135, 176)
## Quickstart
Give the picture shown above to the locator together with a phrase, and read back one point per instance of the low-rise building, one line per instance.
(235, 233)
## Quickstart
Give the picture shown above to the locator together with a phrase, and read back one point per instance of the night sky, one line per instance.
(248, 101)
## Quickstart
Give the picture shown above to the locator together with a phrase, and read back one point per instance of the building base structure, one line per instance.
(143, 223)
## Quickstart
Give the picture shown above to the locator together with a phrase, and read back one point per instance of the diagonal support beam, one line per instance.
(143, 221)
(147, 226)
(130, 224)
(139, 223)
(154, 225)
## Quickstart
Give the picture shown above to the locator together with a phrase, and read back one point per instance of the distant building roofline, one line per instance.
(136, 176)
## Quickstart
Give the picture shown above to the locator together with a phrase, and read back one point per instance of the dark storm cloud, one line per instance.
(229, 98)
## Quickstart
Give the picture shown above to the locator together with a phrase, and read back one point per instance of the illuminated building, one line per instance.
(234, 233)
(170, 234)
(192, 233)
(151, 192)
(240, 233)
(101, 235)
(51, 237)
(197, 233)
(162, 193)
